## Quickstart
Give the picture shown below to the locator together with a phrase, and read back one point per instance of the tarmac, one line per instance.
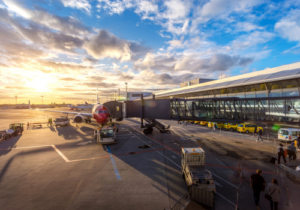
(62, 168)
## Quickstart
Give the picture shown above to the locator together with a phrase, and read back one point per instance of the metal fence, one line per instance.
(202, 196)
(180, 202)
(290, 172)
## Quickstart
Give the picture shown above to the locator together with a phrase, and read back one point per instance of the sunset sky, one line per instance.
(64, 49)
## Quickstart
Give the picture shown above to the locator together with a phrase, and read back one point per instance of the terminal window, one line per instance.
(136, 95)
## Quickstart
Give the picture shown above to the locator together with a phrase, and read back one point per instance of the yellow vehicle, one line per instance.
(231, 126)
(219, 124)
(210, 124)
(196, 122)
(248, 128)
(205, 123)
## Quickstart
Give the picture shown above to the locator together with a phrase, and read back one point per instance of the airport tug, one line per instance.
(194, 171)
(106, 134)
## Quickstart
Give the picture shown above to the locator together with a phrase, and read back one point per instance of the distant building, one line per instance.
(195, 82)
(136, 95)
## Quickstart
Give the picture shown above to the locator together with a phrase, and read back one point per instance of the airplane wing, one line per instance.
(64, 112)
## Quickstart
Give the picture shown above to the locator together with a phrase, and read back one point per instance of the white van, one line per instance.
(288, 134)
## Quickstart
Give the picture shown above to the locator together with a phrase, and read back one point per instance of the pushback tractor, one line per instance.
(106, 135)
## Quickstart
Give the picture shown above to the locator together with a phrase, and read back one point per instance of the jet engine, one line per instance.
(79, 119)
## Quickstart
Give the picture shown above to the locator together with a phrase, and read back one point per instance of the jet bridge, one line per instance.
(231, 109)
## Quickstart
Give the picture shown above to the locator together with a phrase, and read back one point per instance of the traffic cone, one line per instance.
(76, 125)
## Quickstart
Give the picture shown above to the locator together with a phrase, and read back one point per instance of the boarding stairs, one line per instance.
(154, 123)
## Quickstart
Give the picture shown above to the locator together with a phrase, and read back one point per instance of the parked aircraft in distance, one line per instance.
(80, 106)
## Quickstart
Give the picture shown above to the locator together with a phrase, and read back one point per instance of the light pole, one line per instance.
(119, 94)
(115, 95)
(42, 101)
(126, 90)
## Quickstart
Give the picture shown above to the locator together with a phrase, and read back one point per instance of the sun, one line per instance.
(40, 84)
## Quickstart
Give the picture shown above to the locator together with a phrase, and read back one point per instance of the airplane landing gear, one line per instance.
(148, 130)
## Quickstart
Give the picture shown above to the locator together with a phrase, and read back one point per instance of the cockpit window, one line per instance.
(102, 111)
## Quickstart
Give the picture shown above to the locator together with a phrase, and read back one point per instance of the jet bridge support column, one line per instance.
(142, 111)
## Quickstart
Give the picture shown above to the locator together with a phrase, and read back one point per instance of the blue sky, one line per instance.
(64, 49)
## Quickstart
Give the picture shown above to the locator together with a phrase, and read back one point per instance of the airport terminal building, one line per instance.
(272, 82)
(268, 95)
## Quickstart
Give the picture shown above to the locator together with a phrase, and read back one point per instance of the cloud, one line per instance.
(99, 84)
(217, 62)
(96, 78)
(247, 26)
(68, 79)
(105, 44)
(67, 25)
(64, 89)
(220, 9)
(61, 67)
(18, 88)
(79, 4)
(251, 40)
(289, 26)
(156, 62)
(90, 60)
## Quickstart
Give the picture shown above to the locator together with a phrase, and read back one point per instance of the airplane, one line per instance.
(99, 113)
(80, 106)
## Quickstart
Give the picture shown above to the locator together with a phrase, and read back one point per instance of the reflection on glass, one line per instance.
(278, 94)
(274, 85)
(250, 96)
(240, 96)
(291, 93)
(289, 83)
(261, 95)
(248, 88)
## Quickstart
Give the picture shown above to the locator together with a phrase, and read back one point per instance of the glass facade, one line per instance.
(290, 93)
(276, 94)
(289, 83)
(250, 96)
(240, 96)
(284, 88)
(279, 110)
(261, 95)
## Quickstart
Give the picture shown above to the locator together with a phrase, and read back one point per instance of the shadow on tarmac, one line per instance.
(71, 133)
(10, 143)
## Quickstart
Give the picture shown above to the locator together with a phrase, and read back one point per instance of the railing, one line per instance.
(291, 172)
(202, 196)
(179, 204)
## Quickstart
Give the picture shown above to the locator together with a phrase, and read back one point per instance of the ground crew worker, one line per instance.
(50, 120)
(259, 135)
(280, 152)
(292, 151)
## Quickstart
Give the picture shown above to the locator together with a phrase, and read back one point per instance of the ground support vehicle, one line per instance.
(288, 134)
(248, 128)
(17, 127)
(106, 135)
(230, 126)
(62, 121)
(194, 171)
(5, 134)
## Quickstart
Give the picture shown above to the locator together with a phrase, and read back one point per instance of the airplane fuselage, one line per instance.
(100, 114)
